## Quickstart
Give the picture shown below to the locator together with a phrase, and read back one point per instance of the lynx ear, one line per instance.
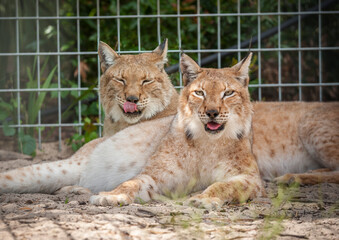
(242, 69)
(189, 69)
(107, 56)
(161, 51)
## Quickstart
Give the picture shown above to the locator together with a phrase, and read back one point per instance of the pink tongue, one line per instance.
(130, 107)
(213, 125)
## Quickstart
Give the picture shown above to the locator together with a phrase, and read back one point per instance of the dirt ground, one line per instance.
(307, 212)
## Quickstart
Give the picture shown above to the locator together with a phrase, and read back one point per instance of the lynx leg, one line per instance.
(143, 187)
(237, 189)
(320, 170)
(153, 180)
(311, 178)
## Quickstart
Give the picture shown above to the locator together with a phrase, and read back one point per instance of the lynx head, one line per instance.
(134, 87)
(215, 102)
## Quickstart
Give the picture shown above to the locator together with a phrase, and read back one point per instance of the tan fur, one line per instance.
(124, 76)
(289, 137)
(220, 161)
(157, 100)
(294, 137)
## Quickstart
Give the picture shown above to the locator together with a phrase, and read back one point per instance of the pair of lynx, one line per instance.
(207, 134)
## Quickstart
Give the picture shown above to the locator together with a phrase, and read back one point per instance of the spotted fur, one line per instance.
(157, 103)
(142, 76)
(289, 139)
(219, 163)
(292, 138)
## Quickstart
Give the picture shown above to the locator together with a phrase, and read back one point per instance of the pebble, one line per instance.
(73, 203)
(9, 207)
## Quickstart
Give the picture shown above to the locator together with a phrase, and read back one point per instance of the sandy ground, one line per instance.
(307, 212)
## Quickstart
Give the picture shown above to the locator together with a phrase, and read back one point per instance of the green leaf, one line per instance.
(3, 116)
(84, 109)
(5, 107)
(82, 96)
(93, 109)
(44, 66)
(20, 133)
(7, 130)
(38, 103)
(54, 94)
(67, 45)
(74, 147)
(92, 12)
(93, 135)
(30, 77)
(87, 120)
(28, 144)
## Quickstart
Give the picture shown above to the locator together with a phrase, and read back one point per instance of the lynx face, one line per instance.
(134, 87)
(216, 101)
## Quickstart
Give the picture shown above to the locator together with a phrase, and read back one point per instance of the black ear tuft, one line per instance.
(161, 50)
(242, 69)
(163, 45)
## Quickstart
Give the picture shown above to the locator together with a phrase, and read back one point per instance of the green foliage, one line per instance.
(89, 133)
(27, 144)
(35, 100)
(7, 130)
(140, 201)
(272, 226)
(26, 140)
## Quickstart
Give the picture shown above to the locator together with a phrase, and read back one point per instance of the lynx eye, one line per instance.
(228, 93)
(146, 82)
(121, 81)
(199, 93)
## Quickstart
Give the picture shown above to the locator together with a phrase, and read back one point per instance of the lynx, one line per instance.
(134, 88)
(209, 141)
(289, 139)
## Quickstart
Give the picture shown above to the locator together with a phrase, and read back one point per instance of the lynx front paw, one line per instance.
(110, 200)
(201, 201)
(287, 179)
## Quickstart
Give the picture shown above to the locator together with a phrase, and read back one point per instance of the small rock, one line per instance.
(287, 206)
(42, 205)
(51, 205)
(73, 203)
(9, 207)
(262, 200)
(29, 202)
(144, 213)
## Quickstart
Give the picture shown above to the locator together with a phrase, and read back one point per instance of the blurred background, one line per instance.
(49, 69)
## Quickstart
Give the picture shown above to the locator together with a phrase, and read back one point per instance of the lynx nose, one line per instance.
(212, 113)
(132, 99)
